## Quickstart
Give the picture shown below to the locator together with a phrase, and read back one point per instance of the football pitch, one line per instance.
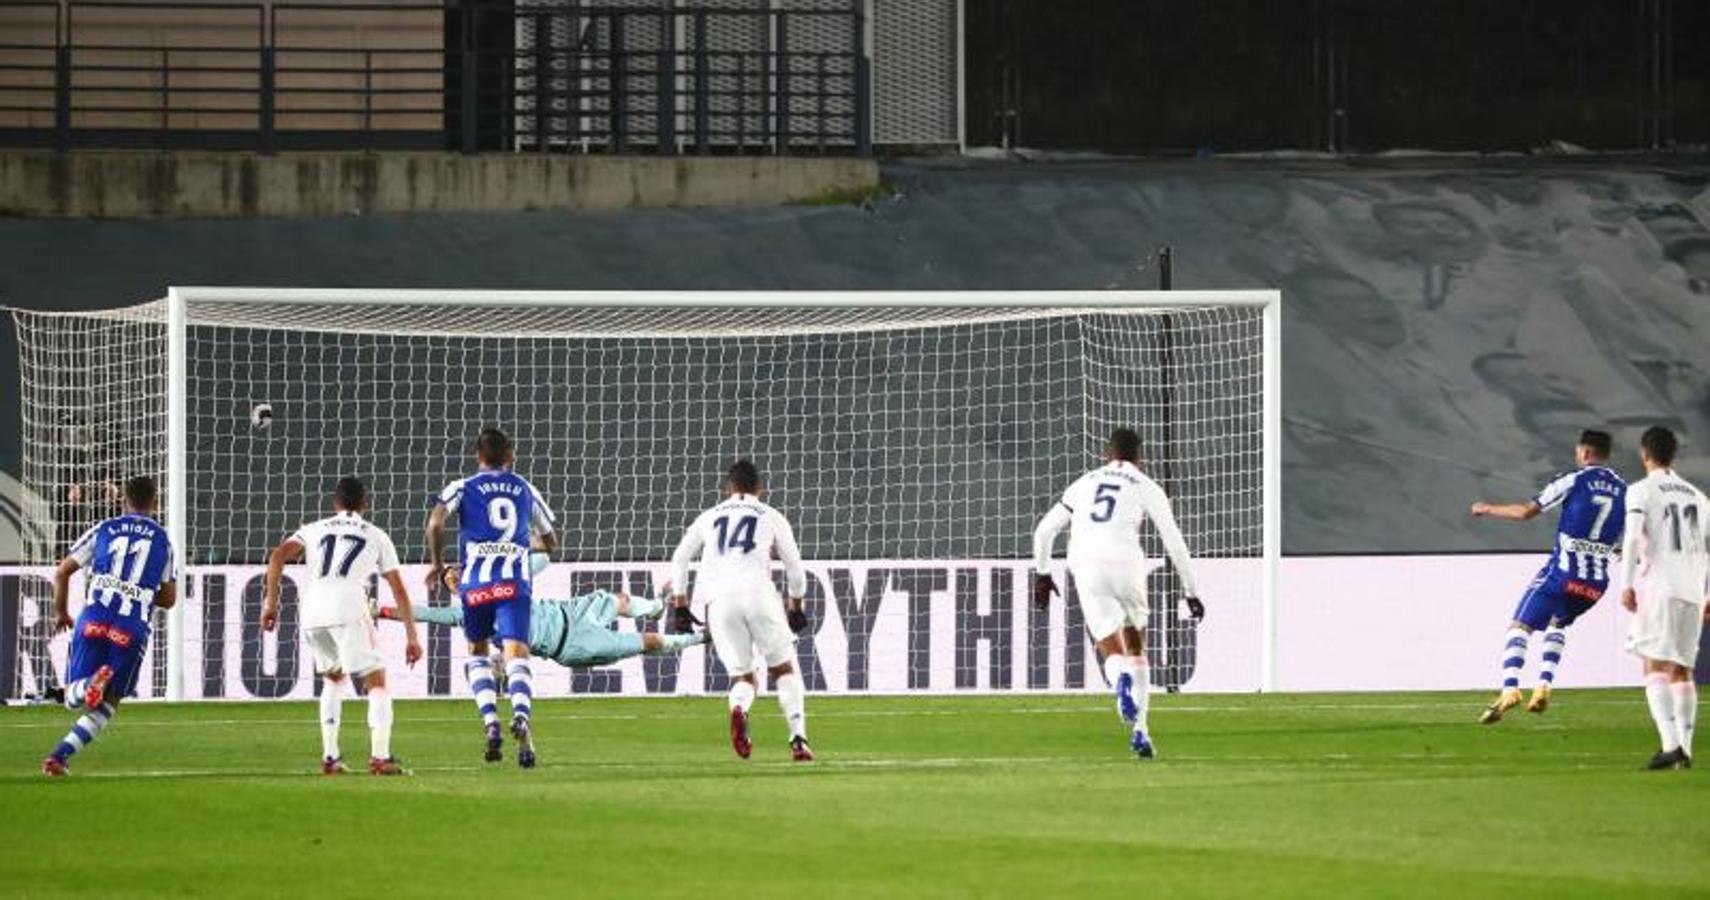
(1296, 795)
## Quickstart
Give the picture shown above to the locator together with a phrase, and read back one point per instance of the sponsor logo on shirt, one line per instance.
(122, 588)
(495, 548)
(1590, 592)
(1590, 548)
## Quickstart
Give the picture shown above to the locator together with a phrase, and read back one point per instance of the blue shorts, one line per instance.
(500, 609)
(1554, 597)
(97, 642)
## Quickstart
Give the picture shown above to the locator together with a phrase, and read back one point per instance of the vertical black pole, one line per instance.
(62, 97)
(863, 87)
(543, 76)
(667, 101)
(267, 106)
(781, 85)
(703, 84)
(1166, 267)
(619, 86)
(368, 100)
(468, 104)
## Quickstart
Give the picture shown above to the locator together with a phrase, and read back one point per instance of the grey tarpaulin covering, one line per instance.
(1449, 325)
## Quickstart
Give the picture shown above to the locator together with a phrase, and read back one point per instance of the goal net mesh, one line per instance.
(914, 449)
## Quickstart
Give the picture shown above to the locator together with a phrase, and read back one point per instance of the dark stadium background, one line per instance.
(1440, 306)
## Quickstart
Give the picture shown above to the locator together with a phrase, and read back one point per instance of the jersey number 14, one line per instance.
(739, 538)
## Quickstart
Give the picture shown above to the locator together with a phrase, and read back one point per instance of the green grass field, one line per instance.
(1356, 795)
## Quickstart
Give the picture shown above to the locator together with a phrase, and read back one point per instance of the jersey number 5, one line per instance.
(741, 537)
(1105, 499)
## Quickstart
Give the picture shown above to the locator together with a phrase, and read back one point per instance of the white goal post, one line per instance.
(914, 438)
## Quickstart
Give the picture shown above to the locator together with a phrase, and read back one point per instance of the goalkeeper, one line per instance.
(577, 632)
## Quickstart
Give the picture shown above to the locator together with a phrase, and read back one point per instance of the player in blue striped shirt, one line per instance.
(132, 570)
(1593, 502)
(498, 514)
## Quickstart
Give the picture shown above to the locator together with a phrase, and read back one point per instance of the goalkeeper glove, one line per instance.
(798, 619)
(683, 621)
(1195, 608)
(1043, 588)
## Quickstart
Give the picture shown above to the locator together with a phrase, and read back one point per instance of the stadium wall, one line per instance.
(950, 626)
(121, 185)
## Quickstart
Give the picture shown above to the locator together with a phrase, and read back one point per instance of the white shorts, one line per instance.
(351, 648)
(1111, 596)
(1666, 629)
(742, 624)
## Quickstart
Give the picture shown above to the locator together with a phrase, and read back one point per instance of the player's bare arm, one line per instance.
(288, 551)
(1513, 512)
(435, 534)
(1044, 538)
(406, 614)
(62, 620)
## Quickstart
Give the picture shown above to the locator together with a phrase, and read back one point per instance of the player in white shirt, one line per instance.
(343, 551)
(1667, 566)
(1104, 510)
(735, 541)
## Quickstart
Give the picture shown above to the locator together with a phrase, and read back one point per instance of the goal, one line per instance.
(914, 439)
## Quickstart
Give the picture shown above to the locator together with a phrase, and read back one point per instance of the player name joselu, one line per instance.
(500, 487)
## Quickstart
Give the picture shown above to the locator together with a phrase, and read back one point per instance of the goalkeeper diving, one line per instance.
(576, 632)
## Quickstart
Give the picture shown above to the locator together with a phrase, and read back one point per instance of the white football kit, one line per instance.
(1104, 511)
(735, 541)
(1667, 562)
(340, 554)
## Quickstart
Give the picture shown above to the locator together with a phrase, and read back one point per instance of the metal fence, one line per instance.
(271, 76)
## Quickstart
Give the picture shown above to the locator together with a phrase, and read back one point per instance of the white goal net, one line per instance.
(914, 440)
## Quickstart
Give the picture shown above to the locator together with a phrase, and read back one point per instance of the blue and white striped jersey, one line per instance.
(128, 558)
(497, 511)
(1594, 514)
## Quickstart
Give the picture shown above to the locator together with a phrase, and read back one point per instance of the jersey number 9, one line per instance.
(502, 515)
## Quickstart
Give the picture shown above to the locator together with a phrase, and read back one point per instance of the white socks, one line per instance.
(332, 705)
(741, 695)
(793, 698)
(380, 723)
(1661, 699)
(1142, 688)
(1116, 666)
(1685, 712)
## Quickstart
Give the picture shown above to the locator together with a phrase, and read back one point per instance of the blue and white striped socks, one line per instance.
(84, 731)
(479, 672)
(1514, 657)
(521, 682)
(1555, 641)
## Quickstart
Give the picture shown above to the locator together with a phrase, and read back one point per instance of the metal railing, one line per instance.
(452, 75)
